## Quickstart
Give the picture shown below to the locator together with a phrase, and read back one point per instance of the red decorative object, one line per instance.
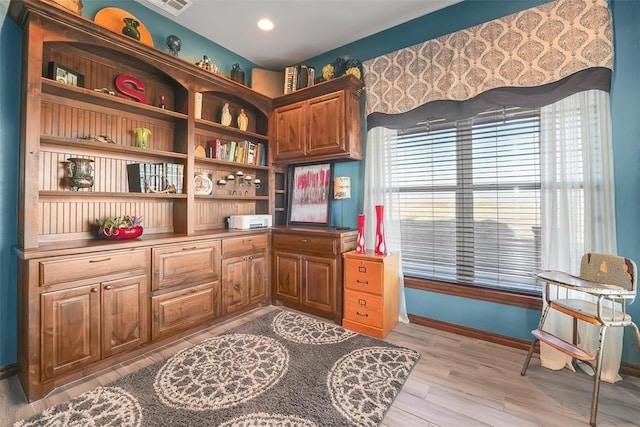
(360, 242)
(381, 246)
(119, 233)
(131, 87)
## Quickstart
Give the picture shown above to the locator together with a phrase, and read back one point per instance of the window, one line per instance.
(469, 199)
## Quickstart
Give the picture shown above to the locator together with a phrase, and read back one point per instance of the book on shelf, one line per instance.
(197, 110)
(298, 77)
(136, 177)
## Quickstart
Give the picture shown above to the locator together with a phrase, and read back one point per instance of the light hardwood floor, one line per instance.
(458, 381)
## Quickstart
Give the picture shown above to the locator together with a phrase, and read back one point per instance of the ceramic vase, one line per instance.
(131, 28)
(360, 241)
(381, 245)
(80, 173)
(142, 137)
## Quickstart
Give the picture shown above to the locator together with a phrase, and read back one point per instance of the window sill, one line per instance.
(483, 294)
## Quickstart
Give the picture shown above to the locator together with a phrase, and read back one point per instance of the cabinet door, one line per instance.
(258, 274)
(124, 314)
(287, 276)
(326, 125)
(320, 283)
(290, 131)
(70, 329)
(234, 284)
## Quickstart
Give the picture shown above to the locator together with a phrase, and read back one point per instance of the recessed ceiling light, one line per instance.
(265, 24)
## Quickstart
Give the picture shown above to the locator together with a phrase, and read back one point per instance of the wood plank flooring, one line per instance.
(458, 381)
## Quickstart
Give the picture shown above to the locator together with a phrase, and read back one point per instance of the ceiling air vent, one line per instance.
(174, 7)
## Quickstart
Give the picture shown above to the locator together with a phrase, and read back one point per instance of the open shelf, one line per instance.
(106, 147)
(111, 101)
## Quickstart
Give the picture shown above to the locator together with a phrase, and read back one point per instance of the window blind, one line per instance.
(469, 199)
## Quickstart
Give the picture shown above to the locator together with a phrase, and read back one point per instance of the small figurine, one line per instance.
(162, 103)
(243, 120)
(225, 117)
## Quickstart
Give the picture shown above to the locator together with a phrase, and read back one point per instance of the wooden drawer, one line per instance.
(244, 245)
(184, 264)
(57, 271)
(362, 275)
(305, 243)
(181, 310)
(363, 308)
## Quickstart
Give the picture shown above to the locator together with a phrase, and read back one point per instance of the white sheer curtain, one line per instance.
(577, 209)
(378, 180)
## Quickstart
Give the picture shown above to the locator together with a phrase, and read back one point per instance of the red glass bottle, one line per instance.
(381, 246)
(360, 241)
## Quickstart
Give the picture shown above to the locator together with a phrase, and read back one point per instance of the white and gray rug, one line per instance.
(281, 369)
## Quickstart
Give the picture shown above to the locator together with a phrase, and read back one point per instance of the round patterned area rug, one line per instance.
(281, 369)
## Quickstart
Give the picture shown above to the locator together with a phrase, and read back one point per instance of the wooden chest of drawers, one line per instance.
(370, 293)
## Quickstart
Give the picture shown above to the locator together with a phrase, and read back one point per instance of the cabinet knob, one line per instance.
(304, 240)
(236, 287)
(108, 287)
(94, 289)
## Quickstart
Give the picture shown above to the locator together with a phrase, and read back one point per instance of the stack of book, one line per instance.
(247, 152)
(298, 77)
(155, 177)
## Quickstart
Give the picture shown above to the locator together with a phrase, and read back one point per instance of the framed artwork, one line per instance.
(310, 194)
(65, 75)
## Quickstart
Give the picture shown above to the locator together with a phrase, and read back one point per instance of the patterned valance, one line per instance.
(534, 47)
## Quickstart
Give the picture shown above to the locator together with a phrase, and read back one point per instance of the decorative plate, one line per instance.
(112, 18)
(204, 184)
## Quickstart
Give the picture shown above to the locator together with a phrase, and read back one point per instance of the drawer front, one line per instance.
(184, 264)
(361, 275)
(86, 267)
(305, 244)
(181, 310)
(363, 308)
(244, 245)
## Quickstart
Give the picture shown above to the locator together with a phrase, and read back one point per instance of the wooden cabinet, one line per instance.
(370, 293)
(186, 286)
(245, 272)
(307, 269)
(86, 316)
(321, 122)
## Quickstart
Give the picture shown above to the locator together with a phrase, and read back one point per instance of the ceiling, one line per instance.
(303, 28)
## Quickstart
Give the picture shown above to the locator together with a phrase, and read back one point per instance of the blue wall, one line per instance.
(497, 318)
(10, 54)
(194, 46)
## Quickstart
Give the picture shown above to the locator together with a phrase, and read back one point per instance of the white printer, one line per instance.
(245, 222)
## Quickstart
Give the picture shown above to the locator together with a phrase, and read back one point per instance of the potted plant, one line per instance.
(120, 227)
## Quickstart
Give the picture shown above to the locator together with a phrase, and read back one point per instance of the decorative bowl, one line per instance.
(120, 233)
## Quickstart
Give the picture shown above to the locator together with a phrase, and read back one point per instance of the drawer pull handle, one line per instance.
(362, 301)
(304, 240)
(108, 287)
(94, 289)
(236, 287)
(246, 240)
(362, 269)
(362, 282)
(362, 314)
(99, 260)
(190, 249)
